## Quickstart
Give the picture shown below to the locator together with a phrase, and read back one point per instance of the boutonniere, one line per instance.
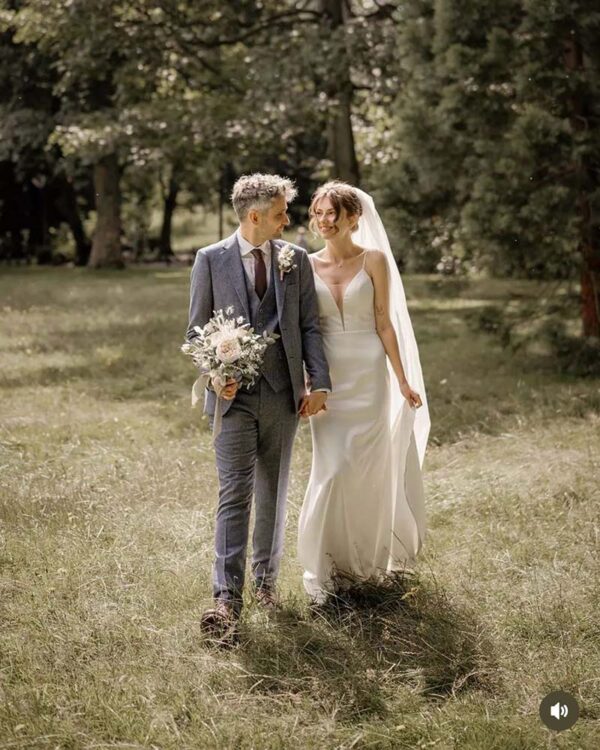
(285, 260)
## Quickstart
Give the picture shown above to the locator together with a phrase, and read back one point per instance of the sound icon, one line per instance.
(559, 710)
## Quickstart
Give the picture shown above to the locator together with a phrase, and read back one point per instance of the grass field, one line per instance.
(107, 502)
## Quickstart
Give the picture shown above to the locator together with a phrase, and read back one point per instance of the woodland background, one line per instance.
(475, 125)
(122, 128)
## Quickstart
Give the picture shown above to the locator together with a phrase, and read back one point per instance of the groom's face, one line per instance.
(274, 220)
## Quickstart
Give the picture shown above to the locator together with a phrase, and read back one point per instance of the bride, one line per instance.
(363, 513)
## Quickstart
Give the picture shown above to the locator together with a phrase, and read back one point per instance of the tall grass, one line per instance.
(107, 505)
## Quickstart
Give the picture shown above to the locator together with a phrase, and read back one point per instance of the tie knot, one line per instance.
(257, 252)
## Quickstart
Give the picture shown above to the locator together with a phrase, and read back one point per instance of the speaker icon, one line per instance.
(559, 710)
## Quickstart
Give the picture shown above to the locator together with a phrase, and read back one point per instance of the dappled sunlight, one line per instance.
(107, 514)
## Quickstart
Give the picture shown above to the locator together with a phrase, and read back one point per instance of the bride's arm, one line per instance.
(385, 330)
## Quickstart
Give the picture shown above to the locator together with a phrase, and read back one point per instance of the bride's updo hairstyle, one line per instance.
(341, 196)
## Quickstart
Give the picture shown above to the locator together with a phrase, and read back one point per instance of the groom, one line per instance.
(254, 447)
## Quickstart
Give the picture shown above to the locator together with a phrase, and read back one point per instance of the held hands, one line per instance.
(312, 404)
(413, 398)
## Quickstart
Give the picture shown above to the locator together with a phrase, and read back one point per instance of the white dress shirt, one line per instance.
(248, 259)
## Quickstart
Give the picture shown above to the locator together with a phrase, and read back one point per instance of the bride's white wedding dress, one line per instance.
(363, 512)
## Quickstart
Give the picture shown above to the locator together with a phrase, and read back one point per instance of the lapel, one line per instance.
(280, 286)
(233, 269)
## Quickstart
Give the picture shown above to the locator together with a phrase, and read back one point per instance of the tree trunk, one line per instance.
(12, 215)
(590, 292)
(165, 251)
(221, 201)
(589, 244)
(66, 202)
(341, 140)
(38, 245)
(340, 136)
(106, 244)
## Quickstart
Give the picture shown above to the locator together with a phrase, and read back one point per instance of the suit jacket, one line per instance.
(218, 281)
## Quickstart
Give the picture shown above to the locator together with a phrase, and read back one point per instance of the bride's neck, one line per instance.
(340, 249)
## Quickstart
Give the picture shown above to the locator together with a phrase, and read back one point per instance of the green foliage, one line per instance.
(204, 90)
(462, 112)
(487, 150)
(27, 104)
(544, 328)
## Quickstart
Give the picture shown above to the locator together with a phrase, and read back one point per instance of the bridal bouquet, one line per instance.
(226, 349)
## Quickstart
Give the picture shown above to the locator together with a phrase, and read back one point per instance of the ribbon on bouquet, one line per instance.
(197, 393)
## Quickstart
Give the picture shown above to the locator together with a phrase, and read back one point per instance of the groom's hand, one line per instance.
(229, 390)
(313, 403)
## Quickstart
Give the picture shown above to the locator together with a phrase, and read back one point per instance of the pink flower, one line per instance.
(229, 350)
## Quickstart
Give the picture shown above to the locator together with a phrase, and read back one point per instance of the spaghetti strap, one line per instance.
(365, 258)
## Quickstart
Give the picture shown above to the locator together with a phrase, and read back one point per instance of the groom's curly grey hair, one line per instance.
(256, 191)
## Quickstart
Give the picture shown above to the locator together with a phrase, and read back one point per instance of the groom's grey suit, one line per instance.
(254, 448)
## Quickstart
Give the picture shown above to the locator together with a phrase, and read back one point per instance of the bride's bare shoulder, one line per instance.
(374, 257)
(367, 250)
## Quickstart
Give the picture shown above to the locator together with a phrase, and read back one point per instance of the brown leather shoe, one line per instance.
(267, 598)
(220, 623)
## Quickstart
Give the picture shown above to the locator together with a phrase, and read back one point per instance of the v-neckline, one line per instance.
(348, 285)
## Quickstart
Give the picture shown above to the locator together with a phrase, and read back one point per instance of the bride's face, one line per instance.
(327, 224)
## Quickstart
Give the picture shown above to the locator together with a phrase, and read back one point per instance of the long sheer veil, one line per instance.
(404, 420)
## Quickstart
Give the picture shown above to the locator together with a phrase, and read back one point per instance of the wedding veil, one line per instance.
(372, 235)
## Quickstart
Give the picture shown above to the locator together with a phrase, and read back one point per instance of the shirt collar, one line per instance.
(246, 247)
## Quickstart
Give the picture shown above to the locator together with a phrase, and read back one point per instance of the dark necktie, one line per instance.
(260, 273)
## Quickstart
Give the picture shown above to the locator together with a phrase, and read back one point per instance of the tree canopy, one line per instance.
(476, 125)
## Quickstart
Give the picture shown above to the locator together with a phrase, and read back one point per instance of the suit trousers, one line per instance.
(253, 455)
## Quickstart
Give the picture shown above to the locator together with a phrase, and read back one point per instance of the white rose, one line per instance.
(215, 338)
(229, 350)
